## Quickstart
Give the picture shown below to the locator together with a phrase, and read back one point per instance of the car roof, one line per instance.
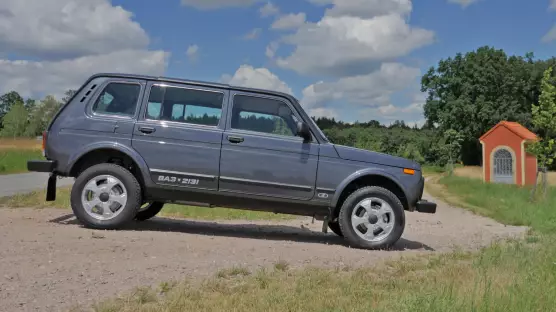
(193, 82)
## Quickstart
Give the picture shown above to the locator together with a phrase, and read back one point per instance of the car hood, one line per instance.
(356, 154)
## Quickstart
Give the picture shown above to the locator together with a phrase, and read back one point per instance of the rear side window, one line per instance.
(118, 98)
(185, 105)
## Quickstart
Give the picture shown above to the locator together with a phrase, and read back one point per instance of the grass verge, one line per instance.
(505, 203)
(37, 199)
(509, 276)
(15, 160)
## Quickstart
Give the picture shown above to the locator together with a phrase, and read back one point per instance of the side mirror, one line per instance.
(303, 131)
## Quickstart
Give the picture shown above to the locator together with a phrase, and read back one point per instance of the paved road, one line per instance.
(12, 184)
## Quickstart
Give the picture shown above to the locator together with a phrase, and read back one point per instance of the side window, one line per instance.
(118, 98)
(185, 105)
(263, 115)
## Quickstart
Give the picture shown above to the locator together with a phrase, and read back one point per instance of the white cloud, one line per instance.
(356, 42)
(550, 36)
(269, 9)
(192, 52)
(31, 78)
(253, 34)
(289, 21)
(366, 8)
(372, 90)
(217, 4)
(260, 78)
(271, 49)
(57, 29)
(463, 3)
(553, 4)
(322, 112)
(411, 114)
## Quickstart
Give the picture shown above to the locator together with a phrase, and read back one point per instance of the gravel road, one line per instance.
(48, 262)
(12, 184)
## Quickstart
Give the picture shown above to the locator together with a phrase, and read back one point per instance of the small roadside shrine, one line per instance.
(505, 159)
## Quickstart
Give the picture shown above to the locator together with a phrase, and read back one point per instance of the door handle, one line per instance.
(147, 130)
(235, 139)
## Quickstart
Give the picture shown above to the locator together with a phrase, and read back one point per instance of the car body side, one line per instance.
(76, 132)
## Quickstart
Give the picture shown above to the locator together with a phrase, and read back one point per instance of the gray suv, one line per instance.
(134, 143)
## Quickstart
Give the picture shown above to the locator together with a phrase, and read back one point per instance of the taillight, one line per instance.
(44, 143)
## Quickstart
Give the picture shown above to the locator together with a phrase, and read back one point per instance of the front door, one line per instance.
(503, 167)
(179, 134)
(261, 153)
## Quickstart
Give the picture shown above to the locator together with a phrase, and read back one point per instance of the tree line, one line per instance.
(30, 117)
(467, 94)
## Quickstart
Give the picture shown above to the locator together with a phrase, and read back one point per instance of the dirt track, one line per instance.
(48, 262)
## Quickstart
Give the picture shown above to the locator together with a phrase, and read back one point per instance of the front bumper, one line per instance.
(425, 206)
(46, 166)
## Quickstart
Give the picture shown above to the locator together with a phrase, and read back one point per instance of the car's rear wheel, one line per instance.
(372, 218)
(105, 196)
(149, 210)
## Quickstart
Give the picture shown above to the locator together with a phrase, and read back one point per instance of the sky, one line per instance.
(354, 60)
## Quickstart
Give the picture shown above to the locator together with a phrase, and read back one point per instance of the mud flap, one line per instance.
(51, 187)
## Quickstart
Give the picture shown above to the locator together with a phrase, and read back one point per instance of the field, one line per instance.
(476, 172)
(15, 153)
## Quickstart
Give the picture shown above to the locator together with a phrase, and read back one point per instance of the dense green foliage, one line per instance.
(471, 93)
(26, 119)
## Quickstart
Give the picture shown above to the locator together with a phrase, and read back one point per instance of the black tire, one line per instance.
(149, 212)
(334, 226)
(134, 197)
(350, 203)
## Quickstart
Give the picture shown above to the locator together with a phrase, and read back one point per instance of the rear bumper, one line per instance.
(425, 206)
(45, 166)
(41, 165)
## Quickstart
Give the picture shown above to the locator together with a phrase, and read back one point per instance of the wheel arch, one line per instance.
(368, 177)
(108, 152)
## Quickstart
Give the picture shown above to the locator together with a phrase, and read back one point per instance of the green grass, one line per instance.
(15, 160)
(37, 199)
(506, 203)
(511, 276)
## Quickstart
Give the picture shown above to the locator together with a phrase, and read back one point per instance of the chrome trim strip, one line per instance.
(264, 183)
(322, 189)
(184, 173)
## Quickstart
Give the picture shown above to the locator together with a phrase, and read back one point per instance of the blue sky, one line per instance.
(349, 59)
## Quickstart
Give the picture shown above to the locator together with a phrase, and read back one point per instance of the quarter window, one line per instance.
(263, 115)
(118, 99)
(185, 105)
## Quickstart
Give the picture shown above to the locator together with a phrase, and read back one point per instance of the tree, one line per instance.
(7, 101)
(15, 121)
(41, 115)
(452, 147)
(544, 122)
(68, 95)
(473, 92)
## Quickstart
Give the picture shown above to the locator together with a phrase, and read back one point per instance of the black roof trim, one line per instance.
(192, 82)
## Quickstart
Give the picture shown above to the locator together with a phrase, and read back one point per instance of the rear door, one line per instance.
(179, 134)
(261, 153)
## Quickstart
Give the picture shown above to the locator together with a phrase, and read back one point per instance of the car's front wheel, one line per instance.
(105, 196)
(372, 218)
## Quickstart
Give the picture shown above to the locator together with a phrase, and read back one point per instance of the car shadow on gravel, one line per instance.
(277, 232)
